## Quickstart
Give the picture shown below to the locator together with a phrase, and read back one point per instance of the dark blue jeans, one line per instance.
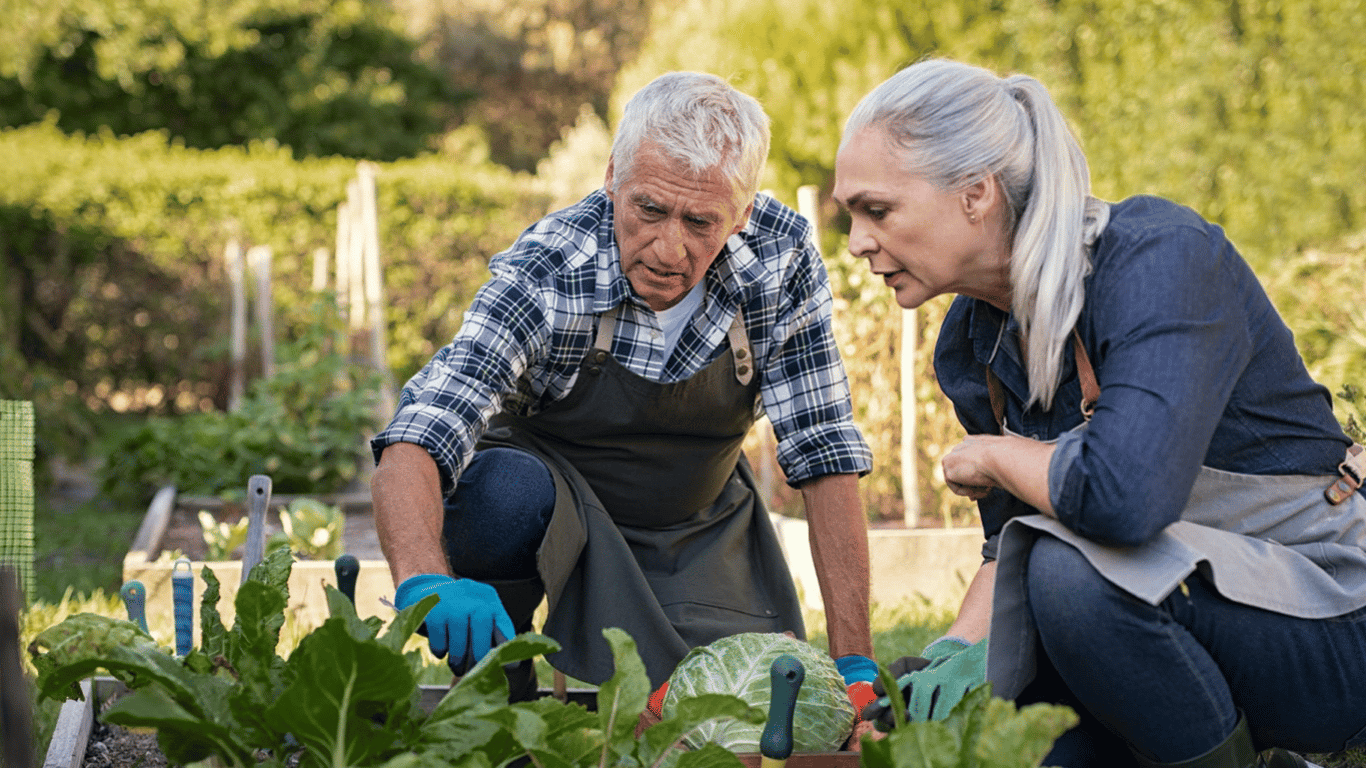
(498, 515)
(1169, 680)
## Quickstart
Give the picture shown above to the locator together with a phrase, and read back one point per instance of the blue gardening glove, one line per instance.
(932, 683)
(467, 622)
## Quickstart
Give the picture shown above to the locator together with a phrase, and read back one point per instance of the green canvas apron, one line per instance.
(657, 528)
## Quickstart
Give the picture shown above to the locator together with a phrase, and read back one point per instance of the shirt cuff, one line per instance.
(1064, 484)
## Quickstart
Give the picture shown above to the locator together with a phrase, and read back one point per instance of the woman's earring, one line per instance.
(972, 218)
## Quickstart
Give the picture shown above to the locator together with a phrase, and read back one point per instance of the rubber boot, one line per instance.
(520, 599)
(1236, 751)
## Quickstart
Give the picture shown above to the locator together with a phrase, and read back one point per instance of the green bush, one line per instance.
(114, 293)
(305, 427)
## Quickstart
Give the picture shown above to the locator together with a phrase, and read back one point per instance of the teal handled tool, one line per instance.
(182, 596)
(347, 568)
(775, 743)
(258, 501)
(134, 596)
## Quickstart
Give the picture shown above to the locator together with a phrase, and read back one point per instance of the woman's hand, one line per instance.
(965, 468)
(1014, 464)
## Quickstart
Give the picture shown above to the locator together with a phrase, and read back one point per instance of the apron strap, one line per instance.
(739, 349)
(739, 342)
(1090, 388)
(607, 325)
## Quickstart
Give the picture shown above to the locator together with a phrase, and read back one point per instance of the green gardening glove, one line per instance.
(933, 683)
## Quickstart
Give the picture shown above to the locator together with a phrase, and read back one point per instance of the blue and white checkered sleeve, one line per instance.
(446, 406)
(806, 392)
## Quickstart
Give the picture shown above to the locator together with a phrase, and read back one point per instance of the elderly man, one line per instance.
(581, 436)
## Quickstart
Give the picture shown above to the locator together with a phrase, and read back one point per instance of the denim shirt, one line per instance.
(1195, 368)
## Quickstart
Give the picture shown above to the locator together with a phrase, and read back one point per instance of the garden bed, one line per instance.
(81, 740)
(172, 525)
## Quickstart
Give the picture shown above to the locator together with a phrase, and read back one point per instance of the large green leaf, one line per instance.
(333, 675)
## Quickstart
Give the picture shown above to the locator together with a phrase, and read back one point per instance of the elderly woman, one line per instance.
(1173, 548)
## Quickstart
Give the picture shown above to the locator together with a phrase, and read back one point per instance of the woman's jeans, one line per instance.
(1169, 680)
(497, 517)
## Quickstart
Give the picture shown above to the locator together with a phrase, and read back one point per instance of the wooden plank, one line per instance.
(69, 738)
(147, 542)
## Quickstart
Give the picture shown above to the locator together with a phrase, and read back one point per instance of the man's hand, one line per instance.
(933, 683)
(466, 623)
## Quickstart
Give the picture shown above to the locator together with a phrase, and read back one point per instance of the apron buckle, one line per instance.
(1352, 472)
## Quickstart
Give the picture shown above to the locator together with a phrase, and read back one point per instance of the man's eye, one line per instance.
(877, 214)
(699, 223)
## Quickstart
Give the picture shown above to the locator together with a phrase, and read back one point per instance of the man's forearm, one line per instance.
(406, 498)
(839, 548)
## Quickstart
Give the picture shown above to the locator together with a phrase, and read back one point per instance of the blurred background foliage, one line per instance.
(145, 133)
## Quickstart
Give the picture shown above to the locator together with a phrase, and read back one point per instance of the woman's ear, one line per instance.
(980, 198)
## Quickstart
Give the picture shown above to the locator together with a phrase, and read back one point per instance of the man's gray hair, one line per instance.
(700, 121)
(957, 124)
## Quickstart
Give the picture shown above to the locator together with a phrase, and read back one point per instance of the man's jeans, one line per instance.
(498, 515)
(1170, 679)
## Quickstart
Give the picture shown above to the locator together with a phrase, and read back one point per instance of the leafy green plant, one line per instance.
(311, 529)
(980, 731)
(221, 538)
(347, 694)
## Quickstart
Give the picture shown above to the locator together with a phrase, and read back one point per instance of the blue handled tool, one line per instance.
(775, 743)
(182, 595)
(258, 500)
(134, 596)
(347, 568)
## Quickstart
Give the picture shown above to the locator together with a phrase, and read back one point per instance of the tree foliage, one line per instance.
(534, 63)
(322, 77)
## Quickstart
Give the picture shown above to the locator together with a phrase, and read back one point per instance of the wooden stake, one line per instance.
(910, 478)
(259, 258)
(343, 260)
(237, 288)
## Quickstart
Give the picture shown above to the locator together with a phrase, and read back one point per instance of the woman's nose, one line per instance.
(861, 244)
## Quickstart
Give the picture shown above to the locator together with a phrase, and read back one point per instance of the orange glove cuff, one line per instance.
(861, 694)
(656, 702)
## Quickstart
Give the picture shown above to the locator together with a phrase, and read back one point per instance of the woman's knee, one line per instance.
(1061, 581)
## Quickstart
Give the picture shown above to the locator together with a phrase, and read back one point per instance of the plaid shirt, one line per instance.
(530, 326)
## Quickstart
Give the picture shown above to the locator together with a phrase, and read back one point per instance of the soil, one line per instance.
(113, 746)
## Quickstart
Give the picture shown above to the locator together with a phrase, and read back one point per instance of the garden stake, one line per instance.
(347, 567)
(258, 500)
(182, 594)
(775, 743)
(134, 596)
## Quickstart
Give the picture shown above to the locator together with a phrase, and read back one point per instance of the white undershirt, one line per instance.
(674, 319)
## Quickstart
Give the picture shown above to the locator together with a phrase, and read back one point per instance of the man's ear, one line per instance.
(744, 219)
(607, 182)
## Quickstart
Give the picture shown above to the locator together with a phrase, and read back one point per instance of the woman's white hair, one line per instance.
(700, 121)
(957, 124)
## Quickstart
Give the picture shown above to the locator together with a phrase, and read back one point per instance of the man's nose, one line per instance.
(672, 249)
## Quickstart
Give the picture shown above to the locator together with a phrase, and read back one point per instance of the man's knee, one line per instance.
(498, 514)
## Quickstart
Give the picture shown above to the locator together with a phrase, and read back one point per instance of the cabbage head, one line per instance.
(740, 666)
